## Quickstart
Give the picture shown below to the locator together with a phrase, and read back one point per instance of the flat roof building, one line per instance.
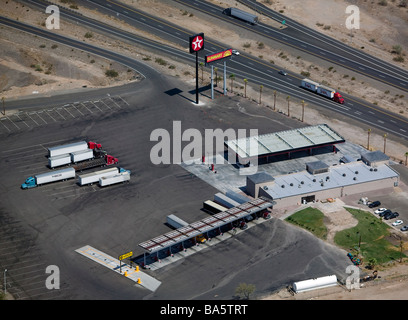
(283, 142)
(319, 184)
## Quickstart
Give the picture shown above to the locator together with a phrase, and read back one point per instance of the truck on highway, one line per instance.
(322, 90)
(117, 178)
(242, 15)
(60, 160)
(93, 177)
(39, 179)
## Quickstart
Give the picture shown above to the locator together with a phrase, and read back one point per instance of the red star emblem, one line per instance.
(197, 43)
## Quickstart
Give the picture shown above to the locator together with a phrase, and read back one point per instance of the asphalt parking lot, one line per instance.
(54, 220)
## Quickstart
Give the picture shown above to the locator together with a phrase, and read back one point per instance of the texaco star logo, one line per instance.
(197, 43)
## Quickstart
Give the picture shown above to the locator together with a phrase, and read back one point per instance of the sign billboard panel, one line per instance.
(218, 56)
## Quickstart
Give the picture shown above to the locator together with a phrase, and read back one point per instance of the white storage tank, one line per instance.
(82, 155)
(317, 283)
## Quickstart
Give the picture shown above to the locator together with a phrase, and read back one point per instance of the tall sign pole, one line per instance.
(196, 45)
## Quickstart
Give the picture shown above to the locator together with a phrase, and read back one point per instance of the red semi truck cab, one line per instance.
(94, 145)
(111, 160)
(338, 98)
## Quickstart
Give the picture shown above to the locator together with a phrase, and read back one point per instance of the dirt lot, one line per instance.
(29, 66)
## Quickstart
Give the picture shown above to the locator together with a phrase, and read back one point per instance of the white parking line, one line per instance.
(28, 114)
(13, 123)
(66, 109)
(86, 107)
(40, 116)
(5, 125)
(60, 113)
(50, 116)
(77, 109)
(22, 121)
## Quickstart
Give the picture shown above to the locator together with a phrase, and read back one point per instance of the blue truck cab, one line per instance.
(29, 183)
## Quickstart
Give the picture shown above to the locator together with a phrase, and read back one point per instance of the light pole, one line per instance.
(5, 282)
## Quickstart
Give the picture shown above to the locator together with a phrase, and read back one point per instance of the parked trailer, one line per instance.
(60, 160)
(39, 179)
(242, 15)
(93, 177)
(212, 207)
(105, 160)
(67, 148)
(117, 178)
(225, 201)
(175, 221)
(82, 155)
(322, 90)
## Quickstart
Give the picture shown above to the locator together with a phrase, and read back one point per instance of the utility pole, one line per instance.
(368, 140)
(4, 106)
(385, 141)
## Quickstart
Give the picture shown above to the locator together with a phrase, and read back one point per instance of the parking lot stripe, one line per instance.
(22, 120)
(13, 123)
(123, 100)
(50, 116)
(66, 109)
(86, 107)
(5, 125)
(38, 114)
(28, 114)
(60, 113)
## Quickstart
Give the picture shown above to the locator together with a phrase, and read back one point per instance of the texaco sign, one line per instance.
(197, 42)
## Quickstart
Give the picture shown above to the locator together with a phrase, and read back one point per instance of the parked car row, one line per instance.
(387, 214)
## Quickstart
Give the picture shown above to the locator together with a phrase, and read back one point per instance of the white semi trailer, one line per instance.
(82, 155)
(117, 178)
(67, 148)
(60, 160)
(93, 177)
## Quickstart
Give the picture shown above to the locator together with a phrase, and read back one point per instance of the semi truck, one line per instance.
(93, 177)
(39, 179)
(100, 160)
(242, 15)
(73, 147)
(117, 178)
(57, 161)
(322, 90)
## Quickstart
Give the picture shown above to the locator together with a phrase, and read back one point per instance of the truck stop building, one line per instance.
(263, 148)
(320, 181)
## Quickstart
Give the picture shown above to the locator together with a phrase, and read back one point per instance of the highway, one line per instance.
(312, 42)
(244, 66)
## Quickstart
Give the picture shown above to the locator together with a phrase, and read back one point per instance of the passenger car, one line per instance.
(374, 204)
